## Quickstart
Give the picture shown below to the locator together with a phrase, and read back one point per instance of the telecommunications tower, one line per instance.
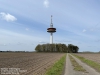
(51, 30)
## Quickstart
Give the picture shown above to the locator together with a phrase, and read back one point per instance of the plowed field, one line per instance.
(92, 56)
(28, 63)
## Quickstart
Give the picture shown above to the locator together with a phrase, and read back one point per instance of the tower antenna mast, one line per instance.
(51, 30)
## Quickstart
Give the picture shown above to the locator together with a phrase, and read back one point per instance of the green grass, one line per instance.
(91, 63)
(57, 68)
(77, 67)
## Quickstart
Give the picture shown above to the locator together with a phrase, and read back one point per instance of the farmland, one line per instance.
(91, 56)
(32, 63)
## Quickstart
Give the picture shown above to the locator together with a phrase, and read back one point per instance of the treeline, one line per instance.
(12, 51)
(57, 48)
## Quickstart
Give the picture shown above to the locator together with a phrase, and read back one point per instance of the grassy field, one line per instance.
(57, 68)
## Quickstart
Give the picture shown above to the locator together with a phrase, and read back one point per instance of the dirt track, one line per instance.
(69, 69)
(33, 63)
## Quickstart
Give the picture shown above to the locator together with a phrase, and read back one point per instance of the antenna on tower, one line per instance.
(51, 19)
(51, 25)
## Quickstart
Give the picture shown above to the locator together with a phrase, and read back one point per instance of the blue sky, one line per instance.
(24, 23)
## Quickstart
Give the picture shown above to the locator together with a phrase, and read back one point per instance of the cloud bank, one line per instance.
(8, 17)
(27, 29)
(46, 3)
(84, 30)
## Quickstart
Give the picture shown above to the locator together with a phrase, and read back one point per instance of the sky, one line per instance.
(24, 23)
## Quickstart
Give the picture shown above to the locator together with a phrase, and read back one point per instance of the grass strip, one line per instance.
(91, 63)
(77, 67)
(57, 68)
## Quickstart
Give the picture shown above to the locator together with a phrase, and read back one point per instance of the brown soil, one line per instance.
(33, 63)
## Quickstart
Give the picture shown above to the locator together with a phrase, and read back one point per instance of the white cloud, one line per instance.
(91, 29)
(32, 44)
(32, 31)
(68, 41)
(97, 40)
(46, 3)
(41, 42)
(63, 41)
(8, 17)
(84, 30)
(3, 45)
(27, 29)
(19, 43)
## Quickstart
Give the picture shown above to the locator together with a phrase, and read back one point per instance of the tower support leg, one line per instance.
(51, 38)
